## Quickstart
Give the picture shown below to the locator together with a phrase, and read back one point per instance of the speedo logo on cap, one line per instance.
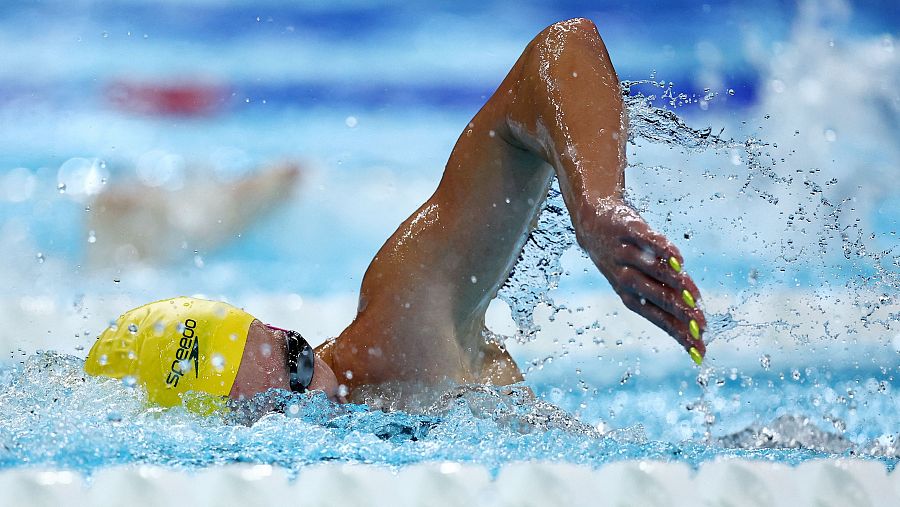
(188, 351)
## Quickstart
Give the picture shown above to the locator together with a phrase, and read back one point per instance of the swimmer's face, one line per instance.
(264, 366)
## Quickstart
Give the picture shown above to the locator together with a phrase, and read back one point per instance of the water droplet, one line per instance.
(218, 361)
(293, 409)
(265, 349)
(343, 390)
(129, 381)
(348, 374)
(80, 177)
(198, 261)
(839, 425)
(132, 328)
(351, 121)
(474, 279)
(102, 360)
(765, 361)
(40, 257)
(830, 135)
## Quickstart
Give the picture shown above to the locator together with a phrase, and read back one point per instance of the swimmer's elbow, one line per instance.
(561, 35)
(562, 45)
(573, 27)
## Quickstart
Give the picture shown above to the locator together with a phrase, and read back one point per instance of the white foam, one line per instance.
(723, 482)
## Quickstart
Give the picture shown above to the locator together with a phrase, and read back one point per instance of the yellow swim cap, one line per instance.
(174, 346)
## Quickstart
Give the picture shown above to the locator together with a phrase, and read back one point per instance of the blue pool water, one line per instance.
(773, 172)
(53, 416)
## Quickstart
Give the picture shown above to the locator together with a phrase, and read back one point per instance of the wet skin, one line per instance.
(424, 296)
(264, 366)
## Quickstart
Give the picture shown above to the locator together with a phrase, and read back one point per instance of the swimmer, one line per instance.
(135, 223)
(423, 299)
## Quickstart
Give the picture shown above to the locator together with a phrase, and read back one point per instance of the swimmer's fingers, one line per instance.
(646, 239)
(659, 269)
(665, 321)
(653, 254)
(663, 296)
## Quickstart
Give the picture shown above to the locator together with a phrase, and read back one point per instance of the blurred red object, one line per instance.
(167, 99)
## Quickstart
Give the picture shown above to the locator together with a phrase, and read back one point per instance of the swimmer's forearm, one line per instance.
(566, 107)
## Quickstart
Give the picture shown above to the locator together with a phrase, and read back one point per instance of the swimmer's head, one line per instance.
(184, 344)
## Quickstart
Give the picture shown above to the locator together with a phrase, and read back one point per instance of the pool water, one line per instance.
(54, 416)
(767, 156)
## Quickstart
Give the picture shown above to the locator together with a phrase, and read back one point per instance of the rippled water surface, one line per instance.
(52, 415)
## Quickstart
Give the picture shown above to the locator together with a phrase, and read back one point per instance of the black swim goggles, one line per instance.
(300, 360)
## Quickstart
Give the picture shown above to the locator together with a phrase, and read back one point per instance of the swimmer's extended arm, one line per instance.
(424, 296)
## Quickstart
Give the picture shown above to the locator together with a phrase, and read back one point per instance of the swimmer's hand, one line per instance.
(644, 268)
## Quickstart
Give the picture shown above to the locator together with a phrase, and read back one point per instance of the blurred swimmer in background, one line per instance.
(423, 299)
(151, 224)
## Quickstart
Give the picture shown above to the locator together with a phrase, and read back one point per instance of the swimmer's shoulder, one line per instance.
(325, 351)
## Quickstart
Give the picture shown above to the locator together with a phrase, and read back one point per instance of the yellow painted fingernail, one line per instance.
(694, 329)
(695, 355)
(673, 262)
(688, 299)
